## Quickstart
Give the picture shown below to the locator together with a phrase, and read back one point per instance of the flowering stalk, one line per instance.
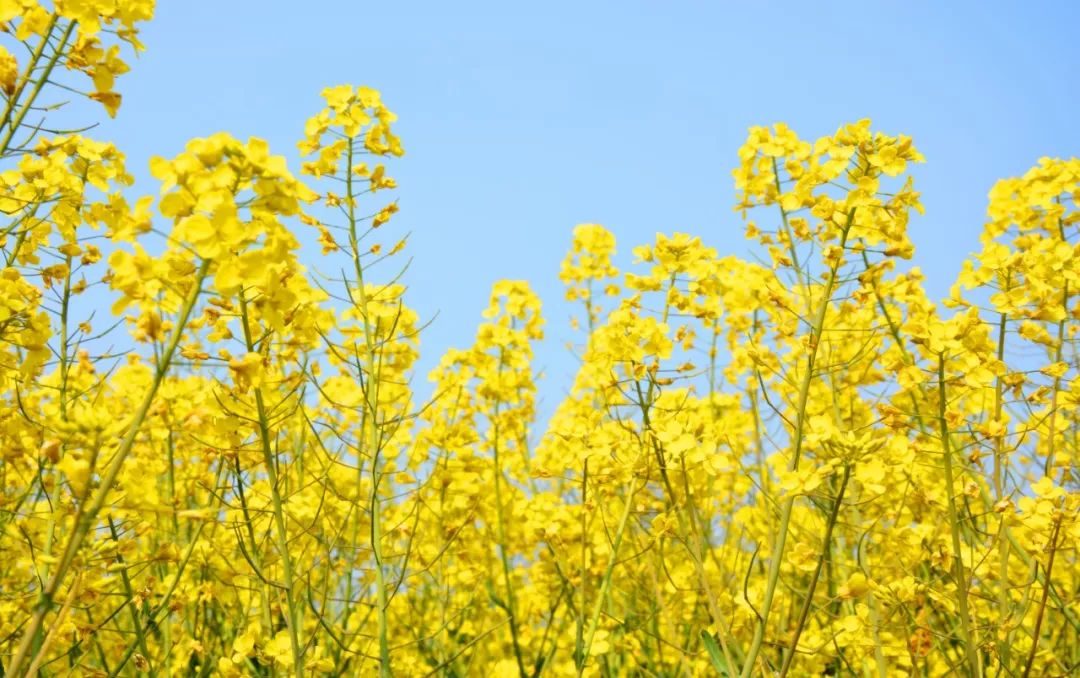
(609, 569)
(39, 82)
(777, 558)
(808, 600)
(1035, 634)
(959, 574)
(371, 398)
(88, 512)
(293, 620)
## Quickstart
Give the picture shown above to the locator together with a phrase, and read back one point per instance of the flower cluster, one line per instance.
(803, 466)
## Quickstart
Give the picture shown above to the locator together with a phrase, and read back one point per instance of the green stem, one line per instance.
(371, 398)
(605, 584)
(87, 514)
(129, 592)
(579, 631)
(1042, 603)
(503, 556)
(38, 84)
(970, 648)
(1052, 434)
(1004, 608)
(281, 533)
(797, 443)
(804, 611)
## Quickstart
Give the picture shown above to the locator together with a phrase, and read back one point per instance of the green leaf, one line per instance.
(494, 597)
(715, 656)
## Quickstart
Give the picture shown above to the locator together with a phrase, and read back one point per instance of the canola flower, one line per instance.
(796, 465)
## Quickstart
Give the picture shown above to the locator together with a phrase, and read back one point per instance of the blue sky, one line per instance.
(521, 120)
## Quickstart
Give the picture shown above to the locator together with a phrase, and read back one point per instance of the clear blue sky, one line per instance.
(521, 120)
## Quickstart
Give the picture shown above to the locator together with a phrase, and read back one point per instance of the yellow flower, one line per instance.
(9, 71)
(247, 370)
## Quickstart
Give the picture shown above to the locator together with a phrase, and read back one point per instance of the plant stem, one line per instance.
(970, 649)
(804, 611)
(281, 533)
(39, 84)
(86, 515)
(372, 400)
(605, 584)
(797, 442)
(504, 558)
(1042, 602)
